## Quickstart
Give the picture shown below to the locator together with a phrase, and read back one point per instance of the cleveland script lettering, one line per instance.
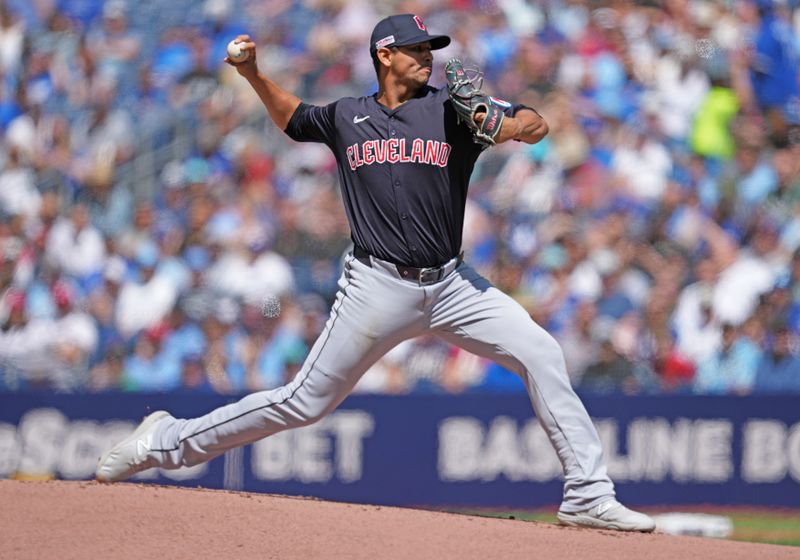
(394, 150)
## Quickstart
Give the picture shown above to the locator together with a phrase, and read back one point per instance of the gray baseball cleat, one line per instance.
(131, 455)
(609, 515)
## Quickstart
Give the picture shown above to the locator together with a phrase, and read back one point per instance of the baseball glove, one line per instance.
(469, 100)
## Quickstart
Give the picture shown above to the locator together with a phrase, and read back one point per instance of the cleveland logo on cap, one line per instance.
(402, 30)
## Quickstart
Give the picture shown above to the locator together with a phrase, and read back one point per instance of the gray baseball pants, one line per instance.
(376, 309)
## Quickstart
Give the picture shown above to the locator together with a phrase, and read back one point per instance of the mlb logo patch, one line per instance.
(385, 41)
(500, 102)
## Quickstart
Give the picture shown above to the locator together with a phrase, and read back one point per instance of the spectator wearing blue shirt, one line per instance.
(148, 369)
(732, 368)
(194, 378)
(773, 71)
(756, 176)
(186, 337)
(779, 368)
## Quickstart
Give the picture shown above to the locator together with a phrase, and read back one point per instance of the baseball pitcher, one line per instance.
(404, 156)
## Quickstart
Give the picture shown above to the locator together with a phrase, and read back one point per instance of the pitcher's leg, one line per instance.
(483, 320)
(368, 318)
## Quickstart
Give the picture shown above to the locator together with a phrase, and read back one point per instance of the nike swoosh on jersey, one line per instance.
(358, 119)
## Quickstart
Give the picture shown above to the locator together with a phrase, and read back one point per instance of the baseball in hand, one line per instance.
(235, 53)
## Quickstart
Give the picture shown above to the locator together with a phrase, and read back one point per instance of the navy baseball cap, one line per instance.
(402, 30)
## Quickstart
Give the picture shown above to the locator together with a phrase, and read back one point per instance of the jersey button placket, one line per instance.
(401, 202)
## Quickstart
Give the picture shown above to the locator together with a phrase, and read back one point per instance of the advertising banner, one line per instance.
(460, 451)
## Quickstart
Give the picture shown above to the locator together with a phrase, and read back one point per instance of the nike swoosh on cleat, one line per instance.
(605, 506)
(357, 120)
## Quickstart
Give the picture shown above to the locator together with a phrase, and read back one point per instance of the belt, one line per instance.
(423, 276)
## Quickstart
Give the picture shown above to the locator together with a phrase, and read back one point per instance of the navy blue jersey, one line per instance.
(404, 173)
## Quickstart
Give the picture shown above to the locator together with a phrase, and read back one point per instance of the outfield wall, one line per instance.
(442, 450)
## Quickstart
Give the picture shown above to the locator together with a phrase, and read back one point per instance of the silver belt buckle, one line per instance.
(430, 275)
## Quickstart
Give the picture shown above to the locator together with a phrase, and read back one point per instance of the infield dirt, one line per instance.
(79, 520)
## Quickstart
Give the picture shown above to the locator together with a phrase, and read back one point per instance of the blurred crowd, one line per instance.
(157, 233)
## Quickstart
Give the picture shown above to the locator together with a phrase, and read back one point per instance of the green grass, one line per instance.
(761, 526)
(767, 527)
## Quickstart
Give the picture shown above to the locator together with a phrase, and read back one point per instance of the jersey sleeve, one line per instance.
(313, 123)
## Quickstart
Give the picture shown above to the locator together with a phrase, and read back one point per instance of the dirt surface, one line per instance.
(66, 520)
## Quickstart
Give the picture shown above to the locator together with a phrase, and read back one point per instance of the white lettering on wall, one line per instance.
(679, 446)
(763, 457)
(10, 449)
(272, 457)
(460, 445)
(654, 450)
(793, 451)
(83, 444)
(349, 431)
(467, 451)
(312, 452)
(304, 454)
(713, 450)
(47, 444)
(502, 452)
(771, 451)
(42, 431)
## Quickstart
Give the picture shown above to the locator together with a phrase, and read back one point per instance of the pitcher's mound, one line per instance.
(66, 520)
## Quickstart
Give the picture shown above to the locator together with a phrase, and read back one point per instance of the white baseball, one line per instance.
(235, 52)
